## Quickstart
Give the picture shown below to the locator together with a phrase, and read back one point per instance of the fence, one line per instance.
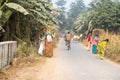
(7, 52)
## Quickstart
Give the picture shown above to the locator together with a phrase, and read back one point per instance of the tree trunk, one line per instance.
(14, 26)
(6, 33)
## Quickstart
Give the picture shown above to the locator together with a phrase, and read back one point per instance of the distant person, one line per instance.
(102, 46)
(75, 38)
(68, 40)
(89, 41)
(94, 44)
(64, 36)
(81, 37)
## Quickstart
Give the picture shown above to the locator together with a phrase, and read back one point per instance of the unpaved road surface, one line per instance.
(75, 64)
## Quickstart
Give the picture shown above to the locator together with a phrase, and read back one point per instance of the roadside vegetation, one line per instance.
(113, 51)
(102, 15)
(24, 20)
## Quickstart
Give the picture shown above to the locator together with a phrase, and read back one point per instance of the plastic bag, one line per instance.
(41, 48)
(49, 38)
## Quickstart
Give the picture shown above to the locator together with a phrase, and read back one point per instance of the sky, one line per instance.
(70, 1)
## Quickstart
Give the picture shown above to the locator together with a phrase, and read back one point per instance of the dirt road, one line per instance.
(75, 64)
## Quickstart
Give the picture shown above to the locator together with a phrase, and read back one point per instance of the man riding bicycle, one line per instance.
(68, 38)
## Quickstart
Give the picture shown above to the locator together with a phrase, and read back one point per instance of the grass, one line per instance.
(113, 51)
(28, 52)
(113, 48)
(26, 55)
(24, 49)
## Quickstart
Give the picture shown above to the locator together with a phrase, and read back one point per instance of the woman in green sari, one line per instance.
(102, 47)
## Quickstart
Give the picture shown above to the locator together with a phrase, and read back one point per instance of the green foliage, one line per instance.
(106, 15)
(62, 16)
(76, 9)
(0, 13)
(5, 12)
(24, 20)
(40, 9)
(25, 27)
(61, 3)
(17, 7)
(102, 14)
(24, 51)
(66, 19)
(82, 23)
(6, 16)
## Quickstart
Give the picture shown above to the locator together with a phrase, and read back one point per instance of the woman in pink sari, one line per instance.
(95, 43)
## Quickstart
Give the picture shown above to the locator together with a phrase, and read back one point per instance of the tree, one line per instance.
(76, 8)
(61, 4)
(106, 15)
(63, 16)
(82, 23)
(21, 27)
(103, 14)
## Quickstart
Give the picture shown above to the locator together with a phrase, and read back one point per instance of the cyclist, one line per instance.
(68, 38)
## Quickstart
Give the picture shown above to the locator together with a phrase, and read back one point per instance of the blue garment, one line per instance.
(94, 49)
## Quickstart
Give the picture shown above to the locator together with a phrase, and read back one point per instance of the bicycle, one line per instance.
(68, 44)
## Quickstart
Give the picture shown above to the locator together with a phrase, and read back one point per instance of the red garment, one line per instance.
(89, 38)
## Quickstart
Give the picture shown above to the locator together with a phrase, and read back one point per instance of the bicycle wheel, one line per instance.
(68, 45)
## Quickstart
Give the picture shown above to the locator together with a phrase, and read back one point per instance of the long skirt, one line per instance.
(94, 49)
(48, 49)
(89, 46)
(101, 53)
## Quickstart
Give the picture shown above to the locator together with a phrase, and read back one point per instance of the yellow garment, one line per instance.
(101, 49)
(68, 36)
(102, 44)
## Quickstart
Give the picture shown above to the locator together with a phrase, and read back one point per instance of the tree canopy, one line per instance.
(76, 8)
(37, 15)
(103, 14)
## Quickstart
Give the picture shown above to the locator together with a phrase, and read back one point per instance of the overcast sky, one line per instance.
(70, 1)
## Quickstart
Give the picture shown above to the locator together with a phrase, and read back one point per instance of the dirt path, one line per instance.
(39, 72)
(76, 64)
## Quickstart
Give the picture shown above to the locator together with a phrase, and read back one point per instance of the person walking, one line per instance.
(89, 39)
(42, 43)
(94, 44)
(102, 46)
(49, 42)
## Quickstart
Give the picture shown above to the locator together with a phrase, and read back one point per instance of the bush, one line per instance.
(25, 50)
(113, 51)
(113, 48)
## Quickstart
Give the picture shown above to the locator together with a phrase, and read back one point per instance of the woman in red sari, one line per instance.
(89, 39)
